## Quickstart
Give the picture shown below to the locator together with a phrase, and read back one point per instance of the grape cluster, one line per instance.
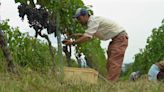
(38, 18)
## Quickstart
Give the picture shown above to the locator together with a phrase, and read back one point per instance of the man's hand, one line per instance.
(67, 42)
(80, 40)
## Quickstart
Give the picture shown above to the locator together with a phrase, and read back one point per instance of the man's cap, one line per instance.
(80, 11)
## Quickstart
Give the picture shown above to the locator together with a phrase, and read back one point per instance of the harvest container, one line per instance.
(80, 75)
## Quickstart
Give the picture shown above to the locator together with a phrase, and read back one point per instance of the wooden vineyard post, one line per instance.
(60, 66)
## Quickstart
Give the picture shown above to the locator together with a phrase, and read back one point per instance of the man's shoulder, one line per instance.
(96, 18)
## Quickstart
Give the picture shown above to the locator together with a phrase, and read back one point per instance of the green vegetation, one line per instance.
(26, 51)
(31, 81)
(34, 60)
(61, 13)
(152, 53)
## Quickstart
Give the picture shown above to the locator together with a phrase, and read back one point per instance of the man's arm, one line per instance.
(80, 40)
(77, 35)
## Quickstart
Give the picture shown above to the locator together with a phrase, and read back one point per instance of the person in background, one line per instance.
(134, 75)
(156, 71)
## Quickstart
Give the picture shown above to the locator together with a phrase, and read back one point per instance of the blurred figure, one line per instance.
(134, 76)
(81, 61)
(156, 71)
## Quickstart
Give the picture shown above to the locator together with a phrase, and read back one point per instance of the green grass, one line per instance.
(33, 81)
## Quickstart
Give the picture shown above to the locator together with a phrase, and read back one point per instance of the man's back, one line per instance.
(103, 28)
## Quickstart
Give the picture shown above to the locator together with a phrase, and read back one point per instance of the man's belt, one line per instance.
(121, 33)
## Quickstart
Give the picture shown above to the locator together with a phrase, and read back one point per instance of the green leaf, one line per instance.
(20, 1)
(44, 3)
(163, 21)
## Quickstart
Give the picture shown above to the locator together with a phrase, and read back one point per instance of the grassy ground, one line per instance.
(32, 81)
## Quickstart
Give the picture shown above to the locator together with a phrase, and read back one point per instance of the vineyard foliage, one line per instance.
(152, 53)
(26, 50)
(65, 9)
